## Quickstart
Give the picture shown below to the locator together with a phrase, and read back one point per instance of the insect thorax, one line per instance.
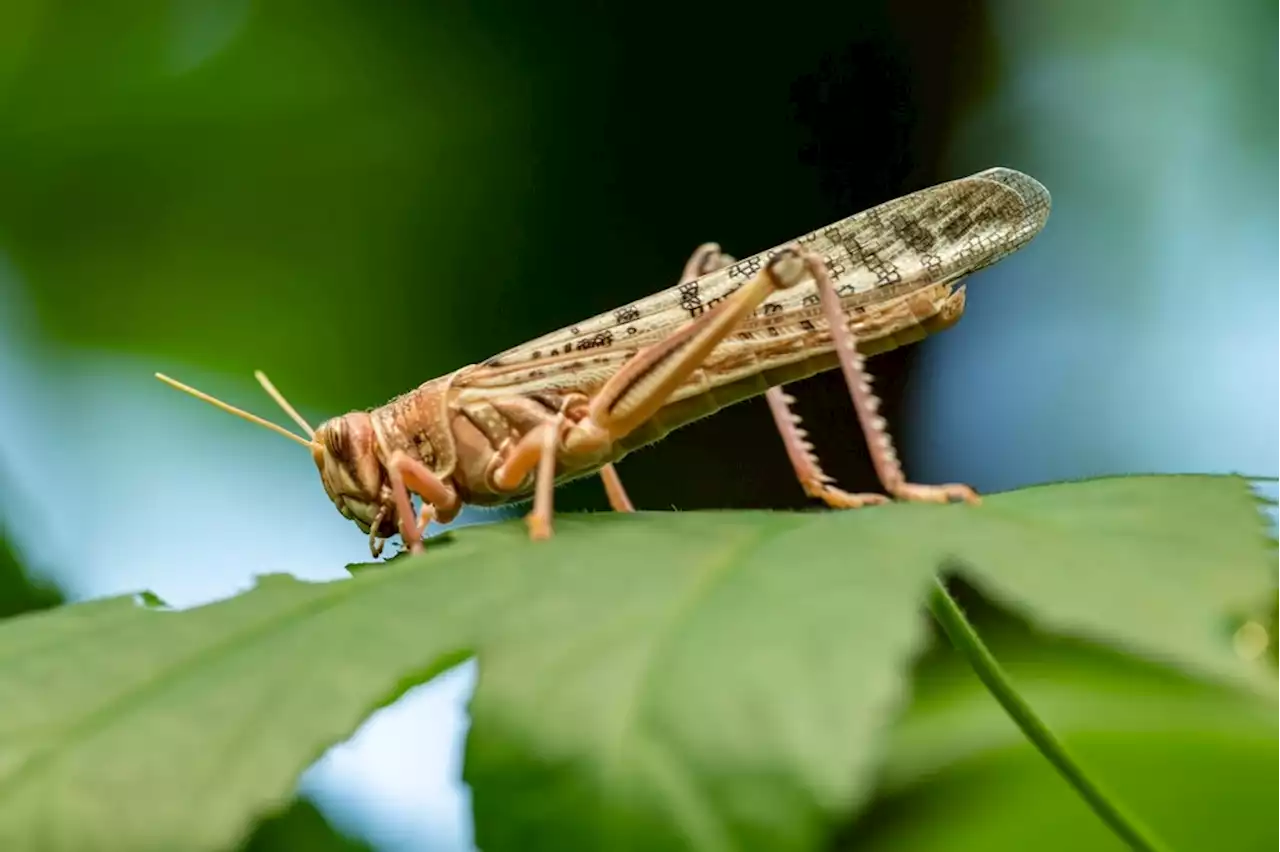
(416, 423)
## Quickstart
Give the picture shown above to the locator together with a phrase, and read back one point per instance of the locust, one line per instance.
(575, 402)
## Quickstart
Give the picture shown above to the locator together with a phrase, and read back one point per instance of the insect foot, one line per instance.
(917, 493)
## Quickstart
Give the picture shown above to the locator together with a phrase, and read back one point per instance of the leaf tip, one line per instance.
(150, 600)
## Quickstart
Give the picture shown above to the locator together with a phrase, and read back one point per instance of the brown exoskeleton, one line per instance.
(574, 402)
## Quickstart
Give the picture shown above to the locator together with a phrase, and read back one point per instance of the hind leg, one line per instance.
(866, 405)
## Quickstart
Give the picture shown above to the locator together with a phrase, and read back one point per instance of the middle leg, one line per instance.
(636, 392)
(706, 258)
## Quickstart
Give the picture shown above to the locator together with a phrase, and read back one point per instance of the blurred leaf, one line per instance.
(178, 729)
(356, 197)
(19, 591)
(1193, 760)
(20, 23)
(219, 172)
(698, 680)
(301, 828)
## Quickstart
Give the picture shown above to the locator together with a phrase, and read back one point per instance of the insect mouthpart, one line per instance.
(362, 514)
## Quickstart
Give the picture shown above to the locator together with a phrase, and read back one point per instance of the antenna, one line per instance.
(283, 403)
(231, 409)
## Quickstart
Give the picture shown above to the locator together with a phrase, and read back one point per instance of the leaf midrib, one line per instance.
(706, 581)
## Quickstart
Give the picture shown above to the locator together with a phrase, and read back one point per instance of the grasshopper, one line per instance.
(575, 402)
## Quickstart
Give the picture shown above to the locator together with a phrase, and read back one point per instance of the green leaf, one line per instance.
(706, 680)
(301, 828)
(1162, 566)
(1193, 759)
(703, 680)
(177, 730)
(19, 591)
(752, 635)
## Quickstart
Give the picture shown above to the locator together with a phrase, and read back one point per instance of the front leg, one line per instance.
(439, 500)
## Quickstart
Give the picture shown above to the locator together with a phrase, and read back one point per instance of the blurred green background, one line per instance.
(357, 197)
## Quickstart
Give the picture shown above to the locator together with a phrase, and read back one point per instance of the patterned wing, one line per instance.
(933, 236)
